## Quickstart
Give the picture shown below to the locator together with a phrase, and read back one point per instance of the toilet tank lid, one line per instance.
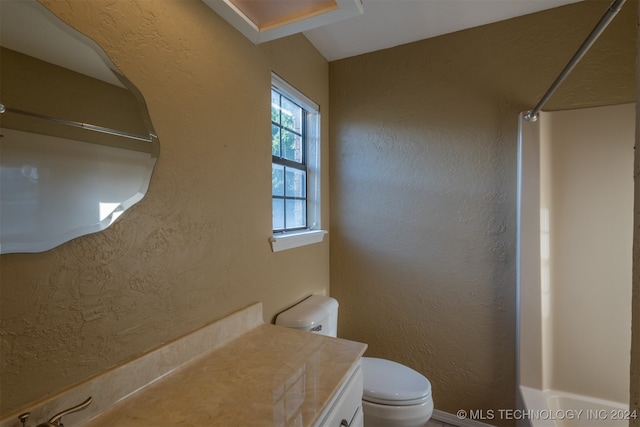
(389, 382)
(309, 312)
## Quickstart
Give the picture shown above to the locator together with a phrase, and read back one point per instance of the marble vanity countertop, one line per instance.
(269, 376)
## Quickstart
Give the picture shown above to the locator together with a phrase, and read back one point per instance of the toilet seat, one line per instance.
(390, 383)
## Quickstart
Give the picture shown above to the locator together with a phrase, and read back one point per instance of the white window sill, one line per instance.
(282, 242)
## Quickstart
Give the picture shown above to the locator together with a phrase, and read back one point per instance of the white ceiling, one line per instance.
(384, 24)
(389, 23)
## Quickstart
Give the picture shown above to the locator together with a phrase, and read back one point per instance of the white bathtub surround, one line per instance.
(552, 408)
(575, 221)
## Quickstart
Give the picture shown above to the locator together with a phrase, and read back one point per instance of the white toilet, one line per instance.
(394, 395)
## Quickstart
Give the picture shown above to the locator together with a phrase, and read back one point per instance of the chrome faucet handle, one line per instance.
(23, 418)
(55, 421)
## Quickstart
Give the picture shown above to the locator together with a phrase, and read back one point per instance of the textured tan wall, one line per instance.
(196, 248)
(423, 166)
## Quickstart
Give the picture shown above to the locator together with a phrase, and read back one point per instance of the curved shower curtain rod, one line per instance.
(599, 28)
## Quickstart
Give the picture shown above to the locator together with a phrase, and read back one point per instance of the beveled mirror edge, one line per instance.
(153, 137)
(42, 246)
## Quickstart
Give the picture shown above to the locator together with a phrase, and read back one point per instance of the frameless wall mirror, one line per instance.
(77, 147)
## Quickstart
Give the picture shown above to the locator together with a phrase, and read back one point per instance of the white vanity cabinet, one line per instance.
(345, 407)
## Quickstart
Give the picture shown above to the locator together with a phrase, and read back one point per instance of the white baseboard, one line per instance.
(445, 417)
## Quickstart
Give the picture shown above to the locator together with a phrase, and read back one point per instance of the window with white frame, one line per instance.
(295, 167)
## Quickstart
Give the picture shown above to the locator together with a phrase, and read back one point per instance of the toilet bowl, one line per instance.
(394, 395)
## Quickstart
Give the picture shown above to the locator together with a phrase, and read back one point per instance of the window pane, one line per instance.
(291, 115)
(290, 178)
(275, 106)
(275, 140)
(296, 183)
(296, 213)
(291, 146)
(278, 214)
(277, 180)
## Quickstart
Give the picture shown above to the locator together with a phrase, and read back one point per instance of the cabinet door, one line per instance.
(347, 409)
(358, 419)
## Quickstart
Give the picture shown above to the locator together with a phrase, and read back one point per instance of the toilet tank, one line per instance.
(318, 314)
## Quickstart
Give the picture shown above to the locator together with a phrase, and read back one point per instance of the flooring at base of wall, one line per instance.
(445, 419)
